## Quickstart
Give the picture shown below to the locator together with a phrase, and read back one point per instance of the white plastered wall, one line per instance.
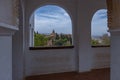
(115, 55)
(81, 57)
(86, 10)
(51, 61)
(18, 62)
(6, 12)
(5, 57)
(101, 57)
(7, 28)
(115, 39)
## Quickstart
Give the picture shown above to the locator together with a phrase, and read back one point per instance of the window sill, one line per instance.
(99, 46)
(50, 48)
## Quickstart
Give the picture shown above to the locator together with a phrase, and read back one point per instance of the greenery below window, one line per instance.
(101, 40)
(52, 40)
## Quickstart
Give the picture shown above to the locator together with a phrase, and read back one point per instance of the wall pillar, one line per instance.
(115, 55)
(5, 58)
(18, 47)
(114, 25)
(6, 32)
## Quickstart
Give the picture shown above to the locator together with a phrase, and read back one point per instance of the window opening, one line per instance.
(99, 30)
(50, 26)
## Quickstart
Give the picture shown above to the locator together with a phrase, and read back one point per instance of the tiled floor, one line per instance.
(100, 74)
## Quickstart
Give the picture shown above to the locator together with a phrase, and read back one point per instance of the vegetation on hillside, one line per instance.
(53, 39)
(102, 41)
(40, 40)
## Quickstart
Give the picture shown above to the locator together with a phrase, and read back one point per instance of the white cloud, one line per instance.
(99, 23)
(59, 21)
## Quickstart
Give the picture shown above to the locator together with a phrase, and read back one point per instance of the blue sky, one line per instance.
(50, 17)
(99, 23)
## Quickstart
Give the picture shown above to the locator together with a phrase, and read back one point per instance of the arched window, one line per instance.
(50, 26)
(99, 30)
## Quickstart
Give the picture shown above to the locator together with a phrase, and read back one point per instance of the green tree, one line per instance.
(57, 36)
(58, 42)
(105, 39)
(95, 42)
(40, 40)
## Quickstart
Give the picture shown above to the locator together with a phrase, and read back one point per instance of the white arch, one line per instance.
(99, 21)
(33, 27)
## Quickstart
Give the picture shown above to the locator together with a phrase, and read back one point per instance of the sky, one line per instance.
(99, 23)
(49, 18)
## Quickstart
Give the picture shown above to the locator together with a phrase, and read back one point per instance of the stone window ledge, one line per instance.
(50, 48)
